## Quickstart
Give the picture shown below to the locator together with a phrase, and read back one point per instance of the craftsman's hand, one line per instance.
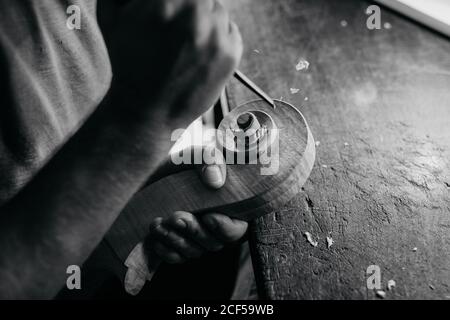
(171, 58)
(183, 236)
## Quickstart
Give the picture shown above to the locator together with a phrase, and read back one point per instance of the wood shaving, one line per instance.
(391, 284)
(302, 65)
(294, 90)
(381, 294)
(257, 51)
(310, 239)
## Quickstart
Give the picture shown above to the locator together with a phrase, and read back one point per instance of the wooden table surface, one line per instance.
(378, 101)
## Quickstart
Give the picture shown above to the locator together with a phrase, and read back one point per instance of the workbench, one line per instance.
(378, 105)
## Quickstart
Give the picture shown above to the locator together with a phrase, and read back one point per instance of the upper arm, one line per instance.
(51, 80)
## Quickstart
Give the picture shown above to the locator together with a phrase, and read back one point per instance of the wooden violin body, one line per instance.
(251, 190)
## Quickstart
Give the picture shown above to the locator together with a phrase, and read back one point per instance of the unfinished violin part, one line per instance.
(268, 168)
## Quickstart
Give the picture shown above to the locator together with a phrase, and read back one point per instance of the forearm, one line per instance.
(61, 216)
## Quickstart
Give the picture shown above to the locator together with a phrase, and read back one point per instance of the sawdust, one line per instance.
(387, 25)
(344, 23)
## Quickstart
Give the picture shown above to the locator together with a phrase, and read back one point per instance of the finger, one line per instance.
(214, 172)
(236, 38)
(205, 160)
(221, 17)
(166, 254)
(199, 19)
(155, 224)
(165, 9)
(188, 225)
(171, 239)
(225, 228)
(210, 4)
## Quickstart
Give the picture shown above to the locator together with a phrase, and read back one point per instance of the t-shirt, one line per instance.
(52, 78)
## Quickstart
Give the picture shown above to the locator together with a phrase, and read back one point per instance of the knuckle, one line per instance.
(161, 231)
(154, 224)
(194, 231)
(179, 215)
(192, 226)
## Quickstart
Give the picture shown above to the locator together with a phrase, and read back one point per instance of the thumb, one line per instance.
(208, 162)
(214, 170)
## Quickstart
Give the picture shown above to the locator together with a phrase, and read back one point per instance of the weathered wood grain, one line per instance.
(379, 103)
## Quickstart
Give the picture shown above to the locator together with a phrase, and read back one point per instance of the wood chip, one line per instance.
(391, 284)
(310, 239)
(302, 65)
(330, 242)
